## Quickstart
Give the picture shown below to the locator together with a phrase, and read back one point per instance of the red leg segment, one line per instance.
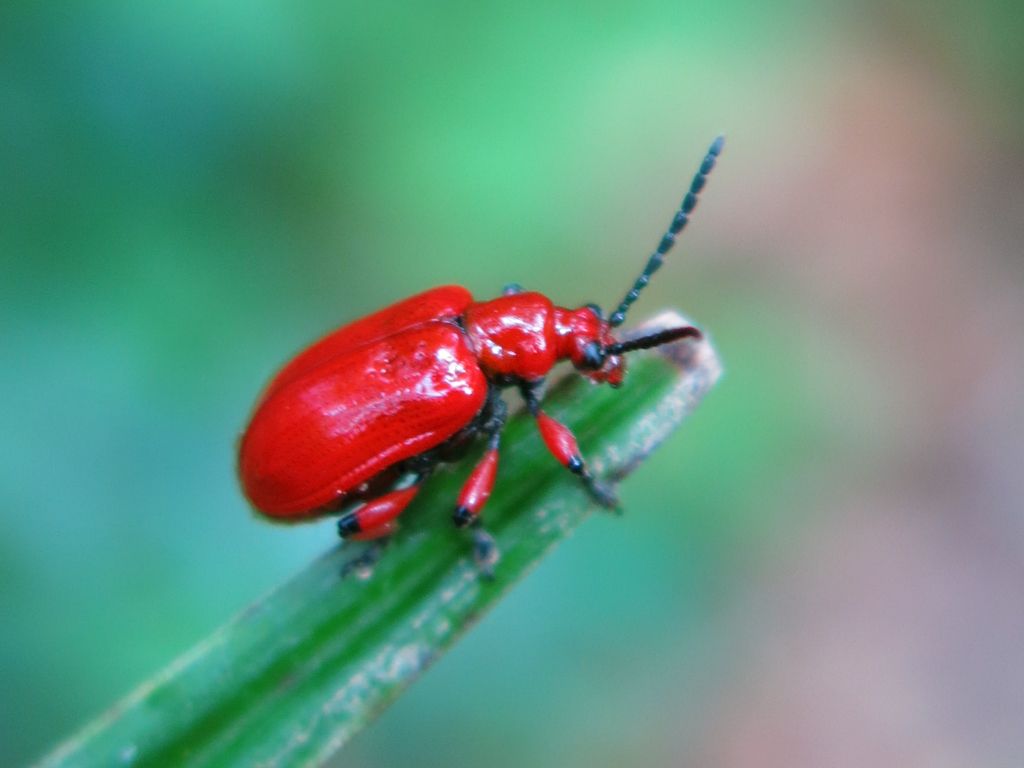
(563, 446)
(559, 440)
(477, 489)
(376, 518)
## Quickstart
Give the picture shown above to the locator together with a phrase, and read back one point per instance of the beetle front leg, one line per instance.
(563, 446)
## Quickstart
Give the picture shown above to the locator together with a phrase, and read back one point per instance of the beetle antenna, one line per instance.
(654, 340)
(679, 221)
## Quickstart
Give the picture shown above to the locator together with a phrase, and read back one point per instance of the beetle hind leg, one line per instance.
(375, 518)
(374, 521)
(471, 501)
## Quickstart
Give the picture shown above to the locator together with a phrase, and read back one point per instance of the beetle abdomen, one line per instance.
(324, 431)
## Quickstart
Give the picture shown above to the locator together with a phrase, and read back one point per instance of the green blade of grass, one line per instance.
(291, 679)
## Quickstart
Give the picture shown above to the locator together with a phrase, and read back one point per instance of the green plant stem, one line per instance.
(295, 675)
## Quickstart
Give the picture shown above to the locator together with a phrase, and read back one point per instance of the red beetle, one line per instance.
(366, 413)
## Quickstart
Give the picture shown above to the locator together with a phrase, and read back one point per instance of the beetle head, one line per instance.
(584, 338)
(587, 341)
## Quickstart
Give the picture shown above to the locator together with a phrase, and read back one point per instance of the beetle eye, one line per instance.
(595, 309)
(593, 355)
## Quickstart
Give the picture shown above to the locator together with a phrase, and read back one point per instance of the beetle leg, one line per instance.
(563, 446)
(477, 489)
(376, 518)
(374, 521)
(372, 534)
(471, 500)
(485, 551)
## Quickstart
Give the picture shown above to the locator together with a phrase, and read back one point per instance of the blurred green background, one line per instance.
(823, 567)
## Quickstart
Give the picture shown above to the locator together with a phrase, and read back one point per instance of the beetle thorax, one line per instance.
(513, 336)
(520, 337)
